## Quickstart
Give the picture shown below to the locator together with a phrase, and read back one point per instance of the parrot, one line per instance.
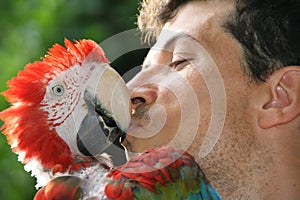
(66, 110)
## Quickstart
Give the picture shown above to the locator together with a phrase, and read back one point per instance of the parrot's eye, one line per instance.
(58, 90)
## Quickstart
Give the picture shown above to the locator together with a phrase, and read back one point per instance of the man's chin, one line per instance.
(128, 150)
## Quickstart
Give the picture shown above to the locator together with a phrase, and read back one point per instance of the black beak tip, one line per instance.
(81, 147)
(98, 130)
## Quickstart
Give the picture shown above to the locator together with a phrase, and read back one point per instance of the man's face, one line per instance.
(191, 91)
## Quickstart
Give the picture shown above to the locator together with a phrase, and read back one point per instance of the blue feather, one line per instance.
(207, 192)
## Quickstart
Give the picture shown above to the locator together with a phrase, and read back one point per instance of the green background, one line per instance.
(27, 29)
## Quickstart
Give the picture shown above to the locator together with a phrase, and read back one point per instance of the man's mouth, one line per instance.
(129, 150)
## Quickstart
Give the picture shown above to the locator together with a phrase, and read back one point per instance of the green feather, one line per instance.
(180, 189)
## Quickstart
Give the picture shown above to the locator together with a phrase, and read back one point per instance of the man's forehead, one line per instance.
(168, 38)
(196, 19)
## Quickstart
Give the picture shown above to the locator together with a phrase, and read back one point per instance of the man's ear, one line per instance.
(282, 104)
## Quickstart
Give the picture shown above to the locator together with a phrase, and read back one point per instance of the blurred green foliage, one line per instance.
(28, 29)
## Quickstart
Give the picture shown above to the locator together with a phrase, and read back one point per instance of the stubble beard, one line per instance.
(238, 160)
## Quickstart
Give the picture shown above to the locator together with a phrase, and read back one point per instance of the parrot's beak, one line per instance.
(108, 117)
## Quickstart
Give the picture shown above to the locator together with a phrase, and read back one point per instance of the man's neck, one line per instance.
(286, 184)
(279, 182)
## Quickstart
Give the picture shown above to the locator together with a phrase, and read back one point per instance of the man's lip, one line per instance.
(129, 150)
(132, 128)
(126, 144)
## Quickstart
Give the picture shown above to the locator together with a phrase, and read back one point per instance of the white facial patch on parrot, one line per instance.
(64, 103)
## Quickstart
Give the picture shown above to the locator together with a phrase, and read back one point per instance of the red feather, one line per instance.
(61, 188)
(114, 191)
(118, 191)
(155, 165)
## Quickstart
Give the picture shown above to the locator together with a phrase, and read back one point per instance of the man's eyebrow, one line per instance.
(167, 39)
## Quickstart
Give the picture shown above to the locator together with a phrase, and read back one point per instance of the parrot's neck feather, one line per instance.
(42, 176)
(94, 180)
(100, 165)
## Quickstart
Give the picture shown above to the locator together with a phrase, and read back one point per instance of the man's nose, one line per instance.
(143, 96)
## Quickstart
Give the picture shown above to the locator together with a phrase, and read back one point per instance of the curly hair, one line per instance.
(154, 13)
(268, 31)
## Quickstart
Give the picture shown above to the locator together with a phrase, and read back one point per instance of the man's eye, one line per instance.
(179, 64)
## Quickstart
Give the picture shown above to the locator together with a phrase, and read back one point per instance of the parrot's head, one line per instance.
(71, 105)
